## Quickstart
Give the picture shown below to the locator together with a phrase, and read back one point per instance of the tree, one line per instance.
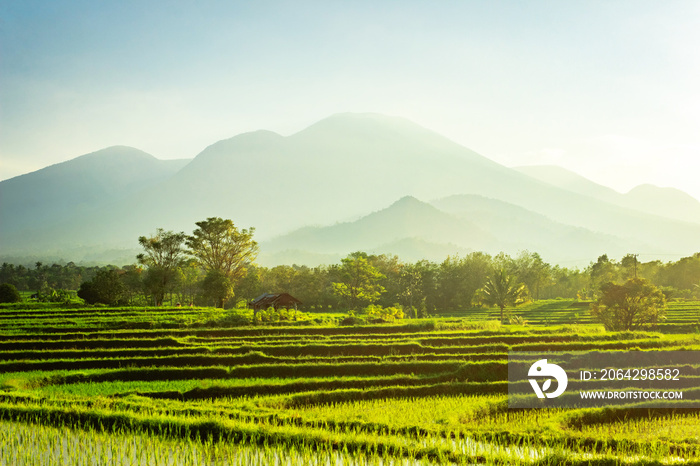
(359, 281)
(630, 305)
(629, 266)
(218, 287)
(250, 286)
(410, 281)
(105, 288)
(132, 278)
(533, 272)
(501, 290)
(40, 278)
(164, 254)
(603, 271)
(460, 278)
(9, 293)
(220, 247)
(188, 280)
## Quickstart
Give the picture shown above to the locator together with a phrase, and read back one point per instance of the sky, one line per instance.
(608, 89)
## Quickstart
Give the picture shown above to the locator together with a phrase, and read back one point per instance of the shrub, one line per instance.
(628, 306)
(353, 320)
(379, 314)
(50, 295)
(9, 293)
(105, 288)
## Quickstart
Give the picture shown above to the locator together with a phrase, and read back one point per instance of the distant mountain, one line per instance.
(337, 169)
(341, 167)
(406, 218)
(458, 224)
(520, 229)
(80, 185)
(666, 202)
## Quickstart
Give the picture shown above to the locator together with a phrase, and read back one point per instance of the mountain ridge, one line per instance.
(341, 167)
(454, 225)
(666, 202)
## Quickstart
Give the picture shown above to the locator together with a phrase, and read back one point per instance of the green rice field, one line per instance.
(163, 386)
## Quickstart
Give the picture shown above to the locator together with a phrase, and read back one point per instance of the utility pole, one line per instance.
(635, 264)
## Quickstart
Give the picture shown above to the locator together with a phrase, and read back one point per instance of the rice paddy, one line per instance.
(154, 386)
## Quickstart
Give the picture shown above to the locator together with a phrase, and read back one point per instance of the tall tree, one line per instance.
(533, 272)
(502, 290)
(603, 271)
(460, 278)
(410, 282)
(223, 251)
(359, 281)
(164, 253)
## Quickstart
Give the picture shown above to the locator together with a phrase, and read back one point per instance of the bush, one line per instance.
(50, 295)
(629, 306)
(353, 320)
(379, 314)
(9, 293)
(105, 288)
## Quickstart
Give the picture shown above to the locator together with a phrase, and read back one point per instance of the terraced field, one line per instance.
(162, 386)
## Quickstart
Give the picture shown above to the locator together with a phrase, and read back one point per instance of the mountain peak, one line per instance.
(407, 201)
(354, 123)
(119, 149)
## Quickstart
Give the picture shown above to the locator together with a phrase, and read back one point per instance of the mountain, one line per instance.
(667, 202)
(341, 167)
(79, 185)
(520, 229)
(458, 224)
(406, 218)
(347, 165)
(337, 169)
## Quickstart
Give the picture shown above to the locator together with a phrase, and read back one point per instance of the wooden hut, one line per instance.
(277, 301)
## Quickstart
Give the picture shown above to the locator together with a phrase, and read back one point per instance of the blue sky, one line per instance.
(605, 88)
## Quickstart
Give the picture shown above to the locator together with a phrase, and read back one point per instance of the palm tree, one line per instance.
(501, 290)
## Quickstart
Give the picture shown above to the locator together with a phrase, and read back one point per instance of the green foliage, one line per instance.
(272, 315)
(163, 256)
(383, 314)
(460, 278)
(9, 293)
(423, 288)
(353, 320)
(630, 305)
(502, 290)
(217, 287)
(517, 320)
(219, 246)
(424, 391)
(49, 295)
(359, 281)
(105, 288)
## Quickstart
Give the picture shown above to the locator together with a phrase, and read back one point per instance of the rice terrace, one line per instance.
(182, 385)
(349, 233)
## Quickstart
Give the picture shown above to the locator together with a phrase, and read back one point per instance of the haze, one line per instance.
(606, 89)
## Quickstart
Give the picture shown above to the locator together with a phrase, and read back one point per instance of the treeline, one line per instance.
(424, 286)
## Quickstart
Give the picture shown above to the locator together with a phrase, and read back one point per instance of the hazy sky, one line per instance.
(607, 88)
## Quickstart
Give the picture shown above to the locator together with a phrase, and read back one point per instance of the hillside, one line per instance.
(458, 224)
(666, 202)
(337, 170)
(79, 185)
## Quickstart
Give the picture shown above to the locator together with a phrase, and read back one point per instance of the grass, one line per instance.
(152, 386)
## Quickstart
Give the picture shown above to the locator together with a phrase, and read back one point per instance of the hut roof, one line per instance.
(266, 300)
